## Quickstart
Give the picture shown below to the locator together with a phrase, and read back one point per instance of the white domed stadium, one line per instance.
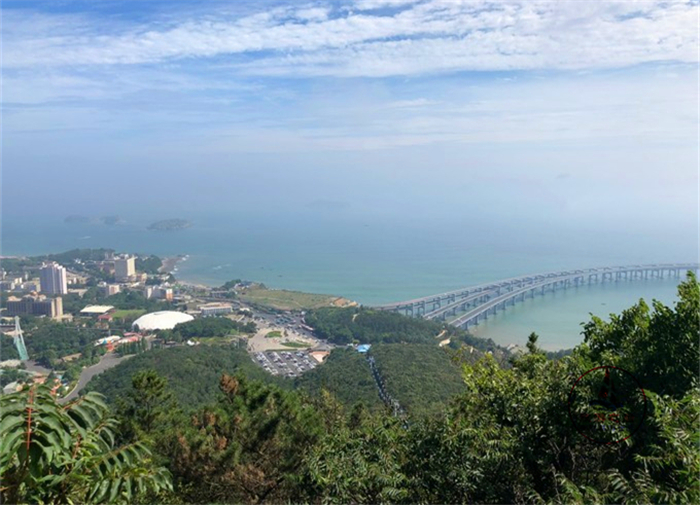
(162, 320)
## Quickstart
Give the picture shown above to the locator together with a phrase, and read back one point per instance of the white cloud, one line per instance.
(427, 37)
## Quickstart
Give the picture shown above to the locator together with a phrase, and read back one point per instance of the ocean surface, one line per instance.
(375, 261)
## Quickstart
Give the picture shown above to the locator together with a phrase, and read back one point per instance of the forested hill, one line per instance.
(346, 375)
(370, 326)
(193, 373)
(422, 377)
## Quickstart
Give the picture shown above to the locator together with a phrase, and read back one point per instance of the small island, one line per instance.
(112, 220)
(76, 219)
(169, 225)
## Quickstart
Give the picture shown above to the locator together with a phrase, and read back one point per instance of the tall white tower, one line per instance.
(54, 280)
(124, 268)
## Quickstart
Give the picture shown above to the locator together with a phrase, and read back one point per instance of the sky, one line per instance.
(570, 112)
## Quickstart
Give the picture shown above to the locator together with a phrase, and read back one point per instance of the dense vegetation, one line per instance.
(48, 340)
(506, 438)
(128, 300)
(148, 264)
(346, 375)
(421, 377)
(7, 348)
(8, 375)
(369, 326)
(213, 327)
(206, 327)
(230, 284)
(69, 257)
(66, 454)
(192, 372)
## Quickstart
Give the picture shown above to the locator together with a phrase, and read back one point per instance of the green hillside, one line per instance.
(370, 326)
(193, 373)
(346, 375)
(421, 377)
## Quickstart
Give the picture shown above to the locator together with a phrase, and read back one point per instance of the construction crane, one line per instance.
(19, 341)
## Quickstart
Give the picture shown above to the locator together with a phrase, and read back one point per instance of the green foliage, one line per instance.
(7, 348)
(66, 454)
(148, 264)
(346, 375)
(69, 257)
(8, 375)
(342, 326)
(192, 372)
(206, 327)
(249, 448)
(129, 300)
(73, 303)
(421, 377)
(230, 284)
(660, 346)
(145, 407)
(360, 462)
(132, 347)
(369, 326)
(49, 340)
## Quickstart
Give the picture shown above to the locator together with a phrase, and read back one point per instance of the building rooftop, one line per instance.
(96, 309)
(162, 320)
(215, 305)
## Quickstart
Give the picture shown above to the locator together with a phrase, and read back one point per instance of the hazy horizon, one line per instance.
(541, 113)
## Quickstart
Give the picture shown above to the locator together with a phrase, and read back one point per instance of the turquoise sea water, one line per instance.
(377, 261)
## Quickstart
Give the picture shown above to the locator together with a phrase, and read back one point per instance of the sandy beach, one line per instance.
(169, 263)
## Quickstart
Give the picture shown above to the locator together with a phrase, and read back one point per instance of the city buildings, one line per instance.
(124, 268)
(13, 284)
(110, 289)
(54, 280)
(158, 292)
(213, 309)
(37, 305)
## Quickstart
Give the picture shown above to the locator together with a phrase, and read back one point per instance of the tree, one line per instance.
(660, 346)
(66, 454)
(249, 448)
(359, 462)
(146, 406)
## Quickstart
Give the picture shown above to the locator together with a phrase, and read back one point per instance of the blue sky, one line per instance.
(570, 111)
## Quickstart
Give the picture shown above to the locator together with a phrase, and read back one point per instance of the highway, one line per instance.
(109, 360)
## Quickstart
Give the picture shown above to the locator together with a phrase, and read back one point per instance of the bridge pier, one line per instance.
(478, 302)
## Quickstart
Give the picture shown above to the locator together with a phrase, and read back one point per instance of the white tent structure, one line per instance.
(162, 320)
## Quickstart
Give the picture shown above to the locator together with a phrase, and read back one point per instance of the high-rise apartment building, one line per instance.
(124, 268)
(54, 280)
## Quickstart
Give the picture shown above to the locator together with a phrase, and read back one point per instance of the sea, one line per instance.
(381, 260)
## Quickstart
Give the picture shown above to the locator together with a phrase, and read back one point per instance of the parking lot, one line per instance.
(285, 363)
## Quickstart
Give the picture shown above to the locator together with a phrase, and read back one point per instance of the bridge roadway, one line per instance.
(480, 299)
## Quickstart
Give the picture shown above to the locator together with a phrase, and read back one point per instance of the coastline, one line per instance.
(170, 263)
(169, 266)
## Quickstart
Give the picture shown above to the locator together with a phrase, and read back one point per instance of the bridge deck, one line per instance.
(516, 286)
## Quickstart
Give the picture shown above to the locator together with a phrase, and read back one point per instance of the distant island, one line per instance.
(111, 220)
(169, 225)
(76, 219)
(80, 219)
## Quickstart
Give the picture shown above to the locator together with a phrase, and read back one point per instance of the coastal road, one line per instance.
(107, 361)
